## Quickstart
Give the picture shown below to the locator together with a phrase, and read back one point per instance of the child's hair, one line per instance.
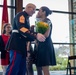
(4, 26)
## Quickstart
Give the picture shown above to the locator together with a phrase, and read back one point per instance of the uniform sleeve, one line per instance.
(23, 29)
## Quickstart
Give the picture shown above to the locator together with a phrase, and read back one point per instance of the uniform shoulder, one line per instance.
(20, 13)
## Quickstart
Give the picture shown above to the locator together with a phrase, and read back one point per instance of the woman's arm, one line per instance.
(47, 32)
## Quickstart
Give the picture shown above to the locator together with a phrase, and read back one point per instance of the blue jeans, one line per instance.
(17, 64)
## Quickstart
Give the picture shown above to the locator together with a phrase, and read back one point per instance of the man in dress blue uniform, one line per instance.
(16, 45)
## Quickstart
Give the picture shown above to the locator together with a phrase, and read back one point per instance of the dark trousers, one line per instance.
(17, 64)
(39, 70)
(29, 68)
(30, 71)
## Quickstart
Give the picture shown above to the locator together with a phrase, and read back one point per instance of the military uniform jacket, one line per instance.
(21, 33)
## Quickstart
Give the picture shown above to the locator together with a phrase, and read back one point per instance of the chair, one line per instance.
(69, 66)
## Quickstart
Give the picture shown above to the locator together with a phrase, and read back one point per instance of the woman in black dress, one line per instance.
(45, 50)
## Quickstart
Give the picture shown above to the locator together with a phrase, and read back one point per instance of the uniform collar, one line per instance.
(26, 13)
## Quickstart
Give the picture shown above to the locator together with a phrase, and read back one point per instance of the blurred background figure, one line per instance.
(31, 57)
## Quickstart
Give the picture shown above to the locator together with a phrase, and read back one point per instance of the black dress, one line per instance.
(45, 54)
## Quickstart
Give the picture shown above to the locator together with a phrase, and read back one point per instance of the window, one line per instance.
(11, 11)
(60, 21)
